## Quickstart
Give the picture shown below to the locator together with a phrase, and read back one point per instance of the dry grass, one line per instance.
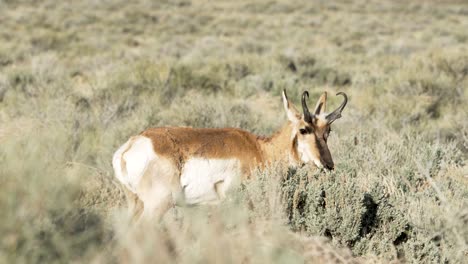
(76, 79)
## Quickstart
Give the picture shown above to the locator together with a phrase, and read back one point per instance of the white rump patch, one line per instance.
(132, 159)
(207, 180)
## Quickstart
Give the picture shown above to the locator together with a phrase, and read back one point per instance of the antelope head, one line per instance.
(310, 131)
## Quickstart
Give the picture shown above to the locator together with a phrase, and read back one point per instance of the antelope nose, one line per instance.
(330, 166)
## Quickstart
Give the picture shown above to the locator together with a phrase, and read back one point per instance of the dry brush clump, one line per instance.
(247, 227)
(43, 220)
(384, 209)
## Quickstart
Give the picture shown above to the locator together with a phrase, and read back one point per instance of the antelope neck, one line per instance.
(278, 146)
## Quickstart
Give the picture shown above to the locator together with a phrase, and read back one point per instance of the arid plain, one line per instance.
(78, 78)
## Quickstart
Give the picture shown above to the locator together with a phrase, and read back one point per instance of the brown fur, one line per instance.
(181, 143)
(177, 144)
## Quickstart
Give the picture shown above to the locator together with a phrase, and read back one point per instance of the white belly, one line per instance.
(207, 180)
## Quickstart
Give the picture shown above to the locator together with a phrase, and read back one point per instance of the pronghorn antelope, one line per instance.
(163, 166)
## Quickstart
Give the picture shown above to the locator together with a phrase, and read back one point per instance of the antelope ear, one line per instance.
(291, 111)
(321, 105)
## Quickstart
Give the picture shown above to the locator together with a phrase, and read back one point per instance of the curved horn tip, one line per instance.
(305, 108)
(345, 99)
(337, 113)
(343, 94)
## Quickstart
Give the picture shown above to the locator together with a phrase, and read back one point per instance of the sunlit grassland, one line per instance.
(77, 79)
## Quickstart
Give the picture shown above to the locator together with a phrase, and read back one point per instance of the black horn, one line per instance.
(305, 109)
(337, 113)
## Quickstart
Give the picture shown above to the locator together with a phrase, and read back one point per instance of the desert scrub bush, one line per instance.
(437, 83)
(4, 86)
(42, 221)
(184, 78)
(233, 231)
(198, 110)
(373, 206)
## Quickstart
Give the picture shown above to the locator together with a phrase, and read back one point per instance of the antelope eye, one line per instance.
(303, 131)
